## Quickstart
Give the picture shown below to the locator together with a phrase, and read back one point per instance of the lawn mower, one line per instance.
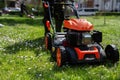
(78, 42)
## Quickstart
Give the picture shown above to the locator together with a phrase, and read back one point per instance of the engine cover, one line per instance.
(78, 24)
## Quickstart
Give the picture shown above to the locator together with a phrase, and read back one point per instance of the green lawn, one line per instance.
(22, 56)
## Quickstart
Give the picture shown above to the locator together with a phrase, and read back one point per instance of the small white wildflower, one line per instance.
(35, 66)
(50, 69)
(11, 61)
(62, 79)
(1, 49)
(21, 56)
(13, 48)
(4, 54)
(20, 49)
(31, 56)
(17, 75)
(25, 56)
(29, 68)
(31, 45)
(40, 75)
(46, 63)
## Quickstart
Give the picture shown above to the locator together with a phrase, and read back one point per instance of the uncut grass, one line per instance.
(22, 56)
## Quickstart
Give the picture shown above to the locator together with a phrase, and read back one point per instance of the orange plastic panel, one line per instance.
(78, 24)
(48, 25)
(81, 54)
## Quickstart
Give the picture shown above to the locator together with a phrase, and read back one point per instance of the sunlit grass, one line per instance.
(22, 56)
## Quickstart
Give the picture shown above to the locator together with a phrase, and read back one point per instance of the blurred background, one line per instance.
(85, 7)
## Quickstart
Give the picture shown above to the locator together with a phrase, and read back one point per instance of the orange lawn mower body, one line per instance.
(79, 43)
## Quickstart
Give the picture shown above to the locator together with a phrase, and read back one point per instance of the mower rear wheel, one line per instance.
(112, 53)
(48, 41)
(60, 56)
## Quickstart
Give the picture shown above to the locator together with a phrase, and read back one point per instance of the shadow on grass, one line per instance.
(28, 21)
(35, 45)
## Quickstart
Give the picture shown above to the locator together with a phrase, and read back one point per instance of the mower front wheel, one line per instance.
(60, 56)
(112, 53)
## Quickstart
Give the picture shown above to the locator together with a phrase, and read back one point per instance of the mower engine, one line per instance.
(80, 32)
(76, 38)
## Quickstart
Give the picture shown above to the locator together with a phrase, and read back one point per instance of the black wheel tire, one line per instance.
(61, 56)
(48, 41)
(112, 53)
(71, 55)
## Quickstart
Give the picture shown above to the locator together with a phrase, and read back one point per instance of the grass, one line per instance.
(22, 56)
